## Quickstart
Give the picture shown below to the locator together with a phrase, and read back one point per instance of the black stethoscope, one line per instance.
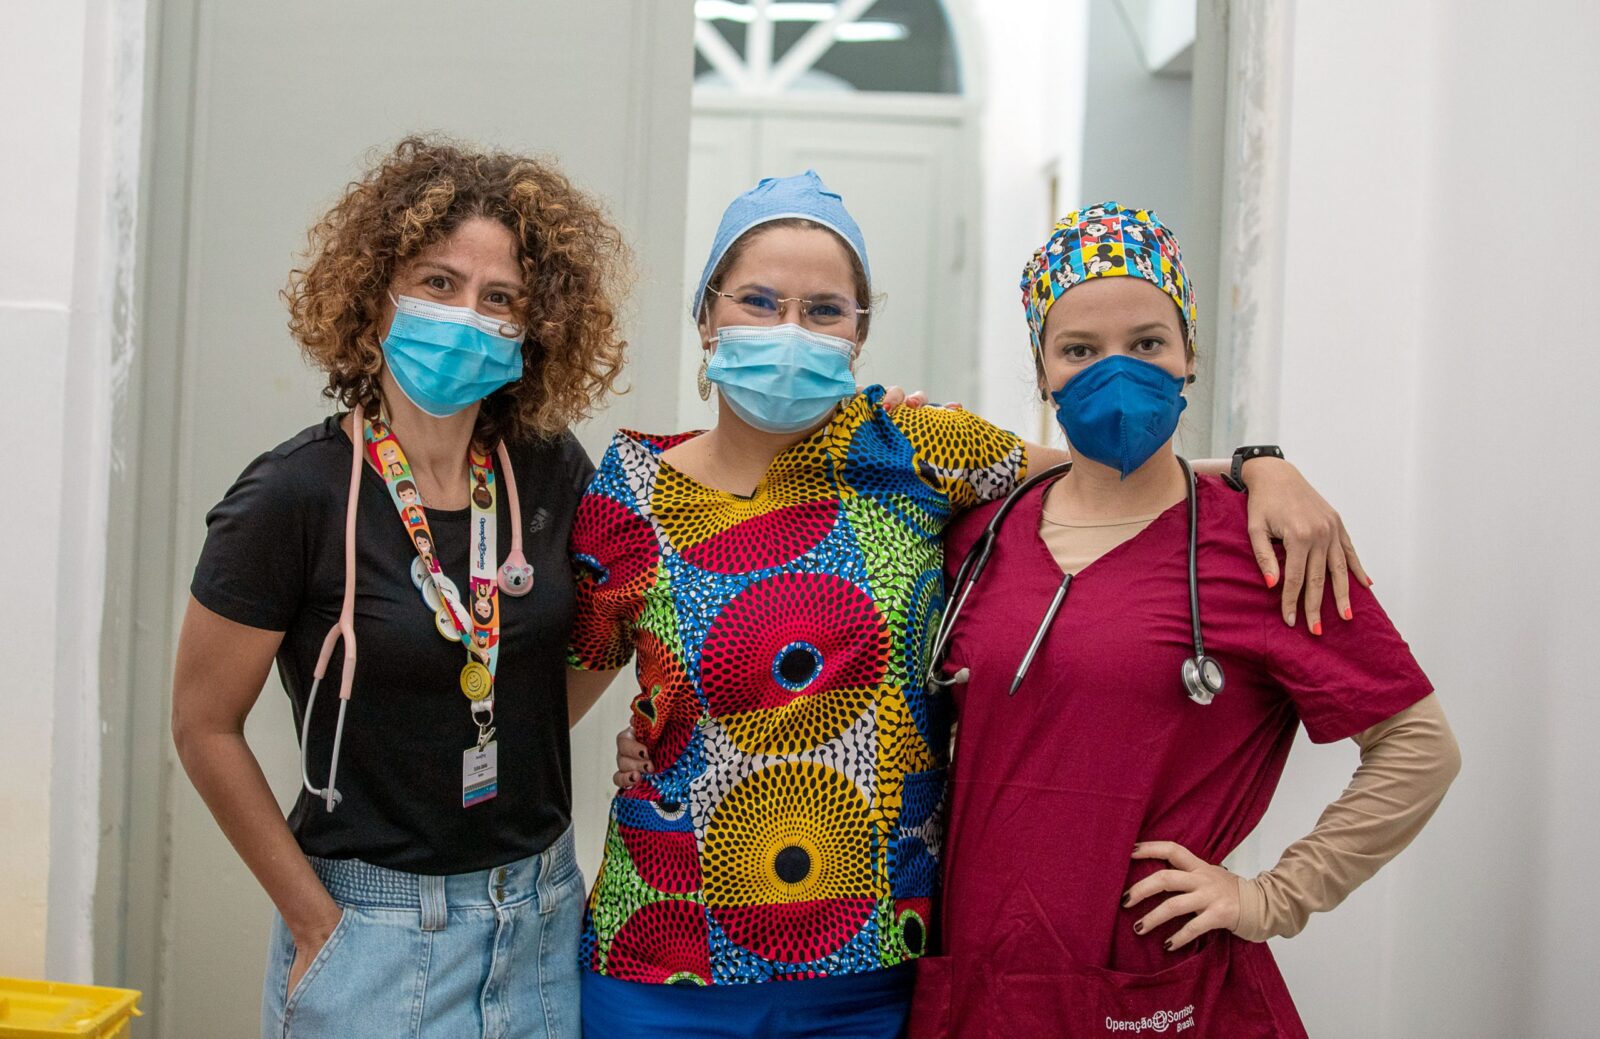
(1202, 675)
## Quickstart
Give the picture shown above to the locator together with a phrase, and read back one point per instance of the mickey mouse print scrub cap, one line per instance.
(780, 198)
(1105, 241)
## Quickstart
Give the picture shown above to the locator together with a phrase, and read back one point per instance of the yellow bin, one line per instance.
(35, 1009)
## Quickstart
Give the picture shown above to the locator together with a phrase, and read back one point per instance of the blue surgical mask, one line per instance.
(781, 378)
(448, 358)
(1120, 411)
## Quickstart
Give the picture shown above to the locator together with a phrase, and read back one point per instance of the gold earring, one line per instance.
(701, 380)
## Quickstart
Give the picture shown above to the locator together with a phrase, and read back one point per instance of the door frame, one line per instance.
(959, 111)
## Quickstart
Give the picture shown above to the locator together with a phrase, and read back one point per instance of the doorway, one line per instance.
(870, 94)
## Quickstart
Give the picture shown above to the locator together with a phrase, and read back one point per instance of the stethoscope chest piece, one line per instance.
(515, 579)
(1202, 678)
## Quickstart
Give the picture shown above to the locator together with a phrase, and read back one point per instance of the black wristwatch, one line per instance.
(1244, 454)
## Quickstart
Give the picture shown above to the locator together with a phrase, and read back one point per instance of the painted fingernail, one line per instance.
(1349, 614)
(1126, 899)
(1272, 580)
(1316, 629)
(1167, 945)
(1136, 848)
(1138, 928)
(1369, 582)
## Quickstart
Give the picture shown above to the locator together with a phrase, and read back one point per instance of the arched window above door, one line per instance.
(767, 47)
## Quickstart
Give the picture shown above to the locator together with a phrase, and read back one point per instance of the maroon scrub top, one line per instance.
(1100, 749)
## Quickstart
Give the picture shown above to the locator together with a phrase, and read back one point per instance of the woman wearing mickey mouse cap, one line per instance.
(1127, 697)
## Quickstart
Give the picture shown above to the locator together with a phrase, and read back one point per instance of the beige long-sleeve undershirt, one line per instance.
(1407, 763)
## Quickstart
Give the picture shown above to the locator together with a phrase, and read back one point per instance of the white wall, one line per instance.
(1438, 381)
(1033, 63)
(65, 236)
(1071, 115)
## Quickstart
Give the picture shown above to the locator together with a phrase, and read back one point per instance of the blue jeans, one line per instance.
(491, 954)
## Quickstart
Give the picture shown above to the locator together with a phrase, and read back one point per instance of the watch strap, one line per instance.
(1244, 454)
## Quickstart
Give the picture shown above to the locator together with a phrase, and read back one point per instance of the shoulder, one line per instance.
(931, 430)
(1224, 513)
(627, 470)
(964, 531)
(312, 447)
(559, 462)
(299, 465)
(937, 425)
(960, 444)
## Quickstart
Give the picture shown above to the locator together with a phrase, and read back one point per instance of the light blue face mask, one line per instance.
(448, 358)
(781, 378)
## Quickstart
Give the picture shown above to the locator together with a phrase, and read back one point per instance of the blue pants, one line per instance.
(485, 955)
(851, 1006)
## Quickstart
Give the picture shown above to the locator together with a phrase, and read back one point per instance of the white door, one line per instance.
(901, 166)
(263, 113)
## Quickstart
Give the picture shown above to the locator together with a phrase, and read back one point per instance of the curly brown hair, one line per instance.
(575, 270)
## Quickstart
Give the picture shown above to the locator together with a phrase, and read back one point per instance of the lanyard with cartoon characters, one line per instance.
(479, 627)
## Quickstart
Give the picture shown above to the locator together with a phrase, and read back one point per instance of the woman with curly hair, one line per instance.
(464, 308)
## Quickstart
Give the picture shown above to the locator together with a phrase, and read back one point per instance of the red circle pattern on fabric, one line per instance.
(821, 610)
(768, 540)
(619, 540)
(668, 861)
(671, 932)
(665, 710)
(794, 932)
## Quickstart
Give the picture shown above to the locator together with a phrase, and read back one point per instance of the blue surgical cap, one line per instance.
(779, 198)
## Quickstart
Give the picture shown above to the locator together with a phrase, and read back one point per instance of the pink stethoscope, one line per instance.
(515, 578)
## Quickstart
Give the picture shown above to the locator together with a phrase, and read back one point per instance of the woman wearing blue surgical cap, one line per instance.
(777, 579)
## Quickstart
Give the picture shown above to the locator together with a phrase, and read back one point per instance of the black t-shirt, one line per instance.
(274, 559)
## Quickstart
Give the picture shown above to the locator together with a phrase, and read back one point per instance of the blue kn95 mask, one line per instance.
(1119, 411)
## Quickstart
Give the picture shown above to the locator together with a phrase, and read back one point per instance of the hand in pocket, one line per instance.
(303, 956)
(306, 949)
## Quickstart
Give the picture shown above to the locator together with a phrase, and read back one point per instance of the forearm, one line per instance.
(584, 689)
(1407, 764)
(229, 779)
(1042, 457)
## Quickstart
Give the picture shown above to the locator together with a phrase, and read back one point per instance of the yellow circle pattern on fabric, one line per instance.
(792, 832)
(697, 512)
(801, 724)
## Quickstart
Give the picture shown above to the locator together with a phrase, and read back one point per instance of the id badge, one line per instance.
(479, 773)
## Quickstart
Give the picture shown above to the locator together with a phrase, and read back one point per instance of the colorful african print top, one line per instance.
(792, 826)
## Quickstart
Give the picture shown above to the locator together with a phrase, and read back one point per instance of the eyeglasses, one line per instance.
(824, 311)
